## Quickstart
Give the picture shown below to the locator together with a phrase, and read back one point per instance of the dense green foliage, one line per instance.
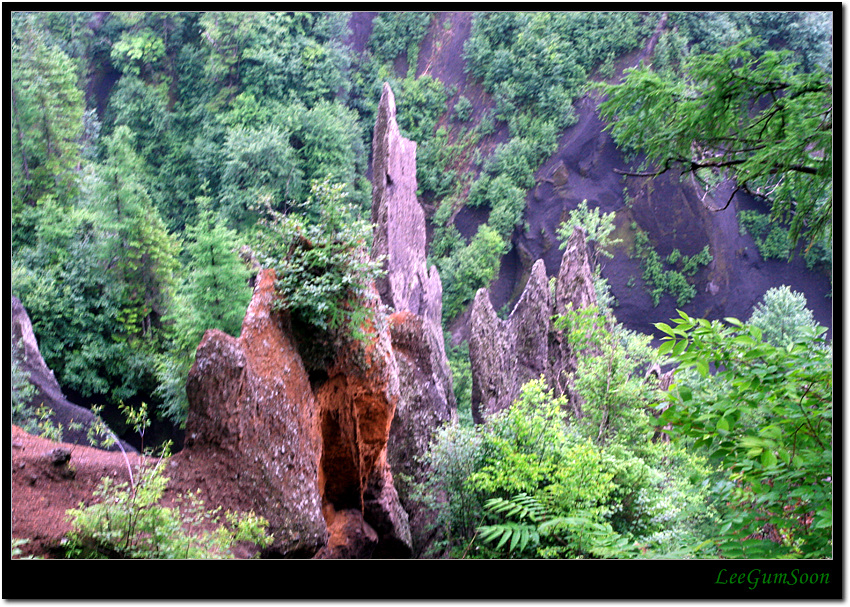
(22, 391)
(323, 270)
(658, 280)
(782, 316)
(214, 116)
(756, 119)
(148, 148)
(772, 241)
(47, 115)
(542, 479)
(766, 419)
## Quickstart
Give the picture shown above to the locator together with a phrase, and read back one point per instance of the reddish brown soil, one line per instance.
(42, 492)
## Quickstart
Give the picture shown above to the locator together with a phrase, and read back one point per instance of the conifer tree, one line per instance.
(47, 115)
(138, 250)
(218, 278)
(214, 296)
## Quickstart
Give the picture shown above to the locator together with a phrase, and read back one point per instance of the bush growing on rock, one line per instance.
(323, 270)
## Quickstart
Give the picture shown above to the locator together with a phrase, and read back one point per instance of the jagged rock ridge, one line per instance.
(505, 354)
(414, 294)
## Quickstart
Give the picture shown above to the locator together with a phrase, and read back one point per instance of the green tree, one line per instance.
(136, 51)
(22, 391)
(138, 251)
(218, 277)
(598, 228)
(47, 115)
(782, 316)
(214, 296)
(609, 379)
(766, 419)
(757, 120)
(395, 32)
(260, 163)
(327, 138)
(472, 267)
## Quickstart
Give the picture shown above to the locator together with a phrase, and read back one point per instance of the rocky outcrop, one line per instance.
(74, 419)
(574, 290)
(318, 452)
(301, 452)
(251, 405)
(413, 293)
(505, 354)
(399, 220)
(358, 404)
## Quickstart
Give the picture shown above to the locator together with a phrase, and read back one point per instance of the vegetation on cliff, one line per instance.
(148, 148)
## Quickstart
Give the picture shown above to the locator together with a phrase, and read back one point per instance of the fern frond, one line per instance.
(520, 507)
(519, 535)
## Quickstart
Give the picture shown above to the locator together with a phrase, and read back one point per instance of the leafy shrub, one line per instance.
(471, 268)
(323, 269)
(420, 104)
(462, 380)
(766, 418)
(507, 203)
(609, 355)
(658, 280)
(128, 522)
(463, 109)
(773, 242)
(393, 33)
(598, 227)
(134, 51)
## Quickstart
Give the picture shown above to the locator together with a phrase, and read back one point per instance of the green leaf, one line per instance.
(680, 347)
(666, 347)
(664, 327)
(768, 459)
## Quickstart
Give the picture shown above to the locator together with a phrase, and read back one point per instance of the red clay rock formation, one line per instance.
(326, 444)
(358, 403)
(300, 453)
(251, 404)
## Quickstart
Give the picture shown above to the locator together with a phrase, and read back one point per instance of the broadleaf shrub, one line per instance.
(128, 522)
(766, 419)
(323, 269)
